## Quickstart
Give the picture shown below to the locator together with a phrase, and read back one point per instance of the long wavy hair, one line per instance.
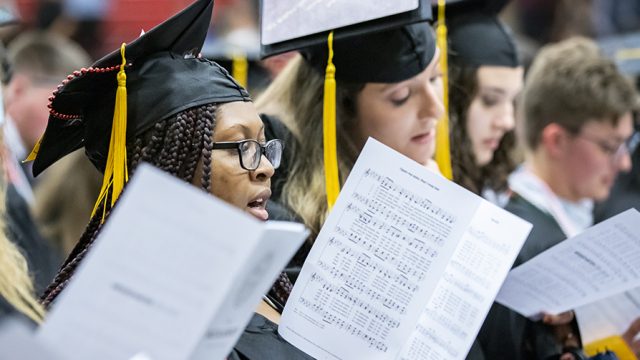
(463, 88)
(181, 146)
(296, 98)
(16, 286)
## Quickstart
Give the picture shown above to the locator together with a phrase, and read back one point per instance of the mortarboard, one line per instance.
(478, 23)
(163, 75)
(353, 41)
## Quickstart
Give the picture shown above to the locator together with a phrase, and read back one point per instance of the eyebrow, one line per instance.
(243, 128)
(493, 89)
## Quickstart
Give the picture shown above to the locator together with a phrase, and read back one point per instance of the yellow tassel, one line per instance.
(34, 152)
(329, 130)
(115, 172)
(613, 343)
(240, 69)
(443, 149)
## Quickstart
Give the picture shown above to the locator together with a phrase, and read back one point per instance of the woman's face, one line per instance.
(491, 112)
(247, 190)
(403, 115)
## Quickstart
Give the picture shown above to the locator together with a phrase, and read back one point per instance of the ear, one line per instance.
(554, 139)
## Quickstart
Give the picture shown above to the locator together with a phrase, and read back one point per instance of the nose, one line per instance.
(264, 171)
(623, 161)
(432, 105)
(505, 120)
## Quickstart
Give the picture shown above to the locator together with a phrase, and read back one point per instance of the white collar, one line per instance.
(573, 217)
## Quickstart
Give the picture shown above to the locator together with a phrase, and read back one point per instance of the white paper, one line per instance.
(381, 255)
(291, 19)
(602, 261)
(460, 303)
(162, 267)
(18, 341)
(277, 246)
(608, 317)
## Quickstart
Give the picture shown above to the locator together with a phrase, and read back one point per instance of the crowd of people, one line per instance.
(554, 142)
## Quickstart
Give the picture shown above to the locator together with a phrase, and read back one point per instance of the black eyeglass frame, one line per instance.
(226, 145)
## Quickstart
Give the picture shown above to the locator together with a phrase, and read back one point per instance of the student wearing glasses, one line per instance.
(576, 121)
(185, 115)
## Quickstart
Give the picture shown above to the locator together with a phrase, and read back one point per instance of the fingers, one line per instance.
(559, 319)
(630, 334)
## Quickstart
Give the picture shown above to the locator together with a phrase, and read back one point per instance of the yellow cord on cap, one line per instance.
(613, 343)
(240, 69)
(332, 181)
(443, 149)
(115, 172)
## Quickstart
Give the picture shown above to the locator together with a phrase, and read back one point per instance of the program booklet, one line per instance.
(174, 274)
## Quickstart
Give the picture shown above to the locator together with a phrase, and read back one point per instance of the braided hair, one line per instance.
(175, 145)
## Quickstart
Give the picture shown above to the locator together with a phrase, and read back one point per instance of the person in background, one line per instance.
(484, 82)
(576, 121)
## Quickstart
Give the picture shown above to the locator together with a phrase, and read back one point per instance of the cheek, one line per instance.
(477, 122)
(385, 123)
(227, 180)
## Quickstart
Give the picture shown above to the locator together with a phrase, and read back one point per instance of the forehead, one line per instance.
(237, 115)
(621, 131)
(502, 77)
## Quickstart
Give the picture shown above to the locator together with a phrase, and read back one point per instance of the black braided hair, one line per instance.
(175, 145)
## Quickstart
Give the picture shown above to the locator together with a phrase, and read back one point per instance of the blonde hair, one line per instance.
(16, 286)
(296, 98)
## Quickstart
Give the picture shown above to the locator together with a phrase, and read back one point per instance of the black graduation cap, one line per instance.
(95, 109)
(354, 41)
(475, 22)
(164, 76)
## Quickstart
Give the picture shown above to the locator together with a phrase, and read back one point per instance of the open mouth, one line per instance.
(424, 138)
(257, 206)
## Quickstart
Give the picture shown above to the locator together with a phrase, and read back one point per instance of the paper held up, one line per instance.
(405, 267)
(602, 261)
(170, 260)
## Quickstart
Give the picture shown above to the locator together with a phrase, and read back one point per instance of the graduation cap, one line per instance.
(353, 41)
(472, 33)
(128, 91)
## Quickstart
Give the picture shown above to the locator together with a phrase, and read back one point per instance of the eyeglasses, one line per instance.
(250, 152)
(613, 151)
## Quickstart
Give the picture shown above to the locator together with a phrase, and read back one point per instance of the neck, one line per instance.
(552, 173)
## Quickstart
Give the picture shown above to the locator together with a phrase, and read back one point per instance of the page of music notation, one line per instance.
(601, 261)
(380, 257)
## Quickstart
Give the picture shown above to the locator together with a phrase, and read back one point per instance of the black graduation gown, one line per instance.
(506, 334)
(261, 340)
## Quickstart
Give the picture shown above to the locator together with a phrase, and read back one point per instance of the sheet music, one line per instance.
(159, 271)
(277, 247)
(602, 261)
(377, 259)
(460, 303)
(608, 317)
(284, 20)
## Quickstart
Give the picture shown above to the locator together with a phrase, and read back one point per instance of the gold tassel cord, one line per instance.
(332, 181)
(240, 69)
(116, 173)
(443, 148)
